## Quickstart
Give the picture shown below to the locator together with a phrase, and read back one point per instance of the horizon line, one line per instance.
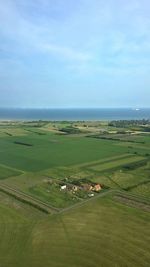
(129, 107)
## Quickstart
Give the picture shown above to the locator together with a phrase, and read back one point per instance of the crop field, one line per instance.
(35, 153)
(142, 189)
(117, 163)
(43, 224)
(110, 232)
(6, 172)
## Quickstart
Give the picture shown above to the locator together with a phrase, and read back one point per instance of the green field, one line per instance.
(117, 163)
(53, 150)
(142, 189)
(6, 172)
(51, 194)
(36, 160)
(100, 233)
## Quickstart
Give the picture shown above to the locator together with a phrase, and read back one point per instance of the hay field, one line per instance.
(99, 233)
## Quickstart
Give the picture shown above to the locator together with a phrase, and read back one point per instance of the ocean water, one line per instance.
(74, 114)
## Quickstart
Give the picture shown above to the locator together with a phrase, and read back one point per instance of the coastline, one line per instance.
(73, 114)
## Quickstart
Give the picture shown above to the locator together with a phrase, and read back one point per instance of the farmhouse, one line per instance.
(97, 187)
(63, 187)
(87, 187)
(92, 187)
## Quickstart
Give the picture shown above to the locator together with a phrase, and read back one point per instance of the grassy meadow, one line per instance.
(37, 158)
(51, 150)
(100, 233)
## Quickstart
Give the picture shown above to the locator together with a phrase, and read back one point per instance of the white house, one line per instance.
(63, 187)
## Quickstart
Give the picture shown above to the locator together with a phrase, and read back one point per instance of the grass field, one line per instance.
(100, 233)
(38, 153)
(52, 151)
(142, 189)
(103, 231)
(6, 172)
(117, 163)
(51, 194)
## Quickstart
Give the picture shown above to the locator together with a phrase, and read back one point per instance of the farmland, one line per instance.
(110, 232)
(48, 202)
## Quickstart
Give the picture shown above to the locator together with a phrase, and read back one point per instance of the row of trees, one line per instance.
(126, 123)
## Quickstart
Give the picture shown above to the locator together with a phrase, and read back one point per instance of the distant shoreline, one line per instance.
(73, 114)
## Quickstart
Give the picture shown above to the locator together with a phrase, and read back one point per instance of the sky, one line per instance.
(66, 53)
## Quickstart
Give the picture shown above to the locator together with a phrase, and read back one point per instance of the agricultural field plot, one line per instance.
(142, 189)
(117, 163)
(80, 170)
(128, 181)
(145, 138)
(131, 180)
(15, 231)
(110, 232)
(141, 185)
(52, 194)
(6, 172)
(136, 148)
(38, 152)
(141, 144)
(36, 161)
(12, 131)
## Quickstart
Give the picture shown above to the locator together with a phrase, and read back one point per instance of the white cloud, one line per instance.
(99, 33)
(34, 37)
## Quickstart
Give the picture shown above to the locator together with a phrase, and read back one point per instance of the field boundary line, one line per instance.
(134, 146)
(105, 160)
(11, 168)
(123, 164)
(83, 202)
(130, 194)
(114, 192)
(132, 201)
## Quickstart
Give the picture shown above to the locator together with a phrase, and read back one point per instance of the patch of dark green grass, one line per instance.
(7, 172)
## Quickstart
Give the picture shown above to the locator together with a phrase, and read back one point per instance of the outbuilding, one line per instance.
(63, 187)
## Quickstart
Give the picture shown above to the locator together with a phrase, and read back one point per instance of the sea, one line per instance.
(74, 114)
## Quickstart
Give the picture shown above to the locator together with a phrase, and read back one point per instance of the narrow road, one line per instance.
(83, 202)
(102, 194)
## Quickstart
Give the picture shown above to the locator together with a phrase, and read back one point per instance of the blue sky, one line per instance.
(66, 53)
